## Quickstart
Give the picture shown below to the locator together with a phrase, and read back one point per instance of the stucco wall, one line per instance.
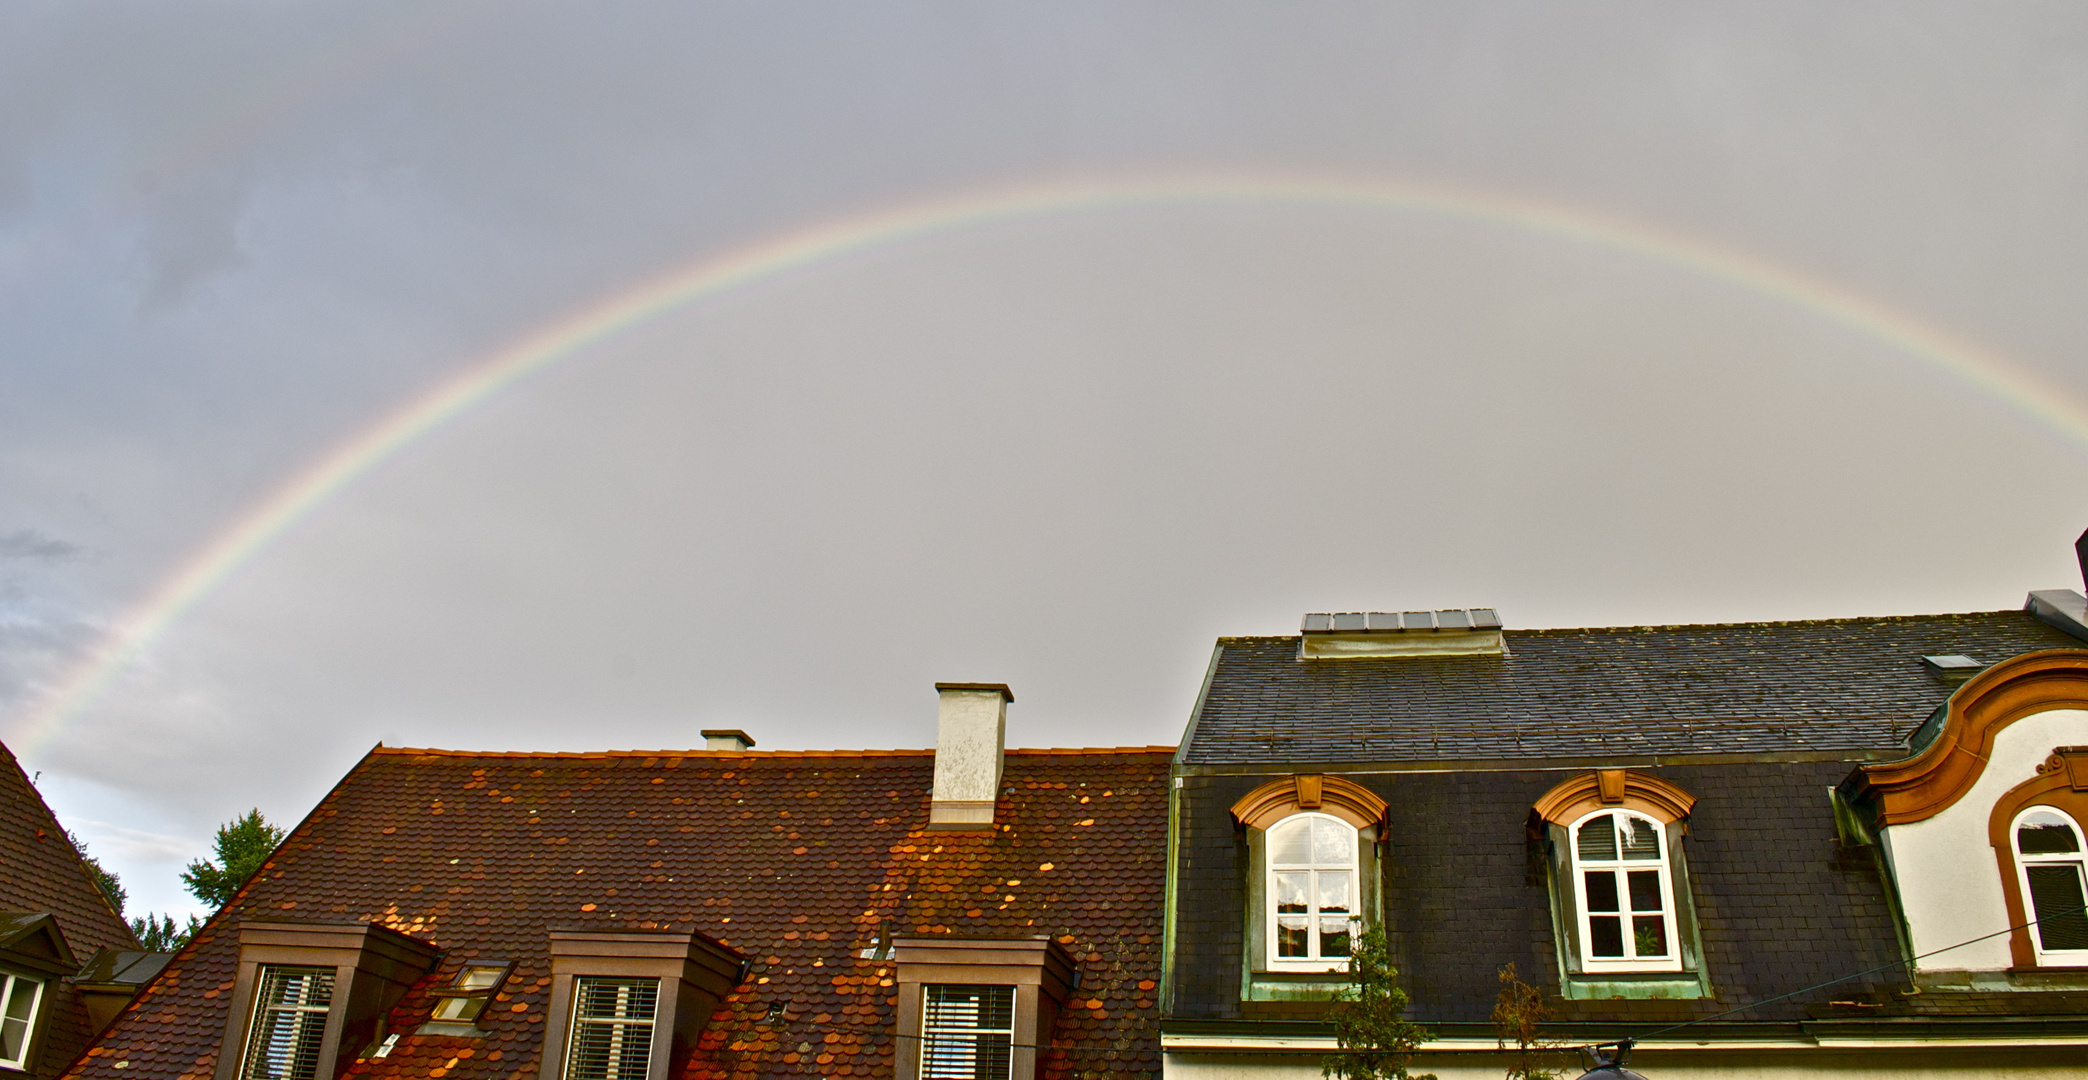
(1949, 879)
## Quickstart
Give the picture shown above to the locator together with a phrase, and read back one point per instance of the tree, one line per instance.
(158, 933)
(1370, 1024)
(104, 878)
(1517, 1013)
(243, 844)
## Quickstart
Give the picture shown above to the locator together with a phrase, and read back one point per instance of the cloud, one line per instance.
(35, 545)
(136, 845)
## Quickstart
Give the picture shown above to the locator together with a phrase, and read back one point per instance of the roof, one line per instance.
(41, 873)
(1779, 903)
(797, 860)
(1736, 688)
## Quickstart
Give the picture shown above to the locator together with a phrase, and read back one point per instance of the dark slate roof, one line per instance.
(40, 872)
(1834, 684)
(794, 859)
(1780, 904)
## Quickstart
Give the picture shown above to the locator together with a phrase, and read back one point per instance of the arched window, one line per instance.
(1313, 891)
(1623, 893)
(2049, 864)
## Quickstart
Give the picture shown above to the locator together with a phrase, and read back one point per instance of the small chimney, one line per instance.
(970, 731)
(2081, 554)
(727, 739)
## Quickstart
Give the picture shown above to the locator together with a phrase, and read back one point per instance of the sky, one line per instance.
(550, 376)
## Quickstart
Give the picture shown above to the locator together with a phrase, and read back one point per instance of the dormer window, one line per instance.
(19, 998)
(289, 1023)
(2049, 859)
(308, 997)
(1620, 892)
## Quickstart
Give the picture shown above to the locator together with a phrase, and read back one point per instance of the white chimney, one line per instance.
(970, 730)
(727, 739)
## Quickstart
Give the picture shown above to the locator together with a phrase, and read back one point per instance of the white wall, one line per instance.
(1949, 880)
(1912, 1062)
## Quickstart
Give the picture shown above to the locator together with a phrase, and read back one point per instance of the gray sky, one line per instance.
(1063, 451)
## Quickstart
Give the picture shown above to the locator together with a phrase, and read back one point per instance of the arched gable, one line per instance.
(1931, 781)
(1613, 788)
(1279, 799)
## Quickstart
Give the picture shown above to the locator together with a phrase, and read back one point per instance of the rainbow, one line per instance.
(573, 334)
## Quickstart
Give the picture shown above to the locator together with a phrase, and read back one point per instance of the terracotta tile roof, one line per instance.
(1740, 688)
(795, 859)
(40, 872)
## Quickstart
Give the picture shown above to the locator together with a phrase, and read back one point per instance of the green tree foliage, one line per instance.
(1518, 1012)
(104, 879)
(158, 933)
(1370, 1024)
(242, 845)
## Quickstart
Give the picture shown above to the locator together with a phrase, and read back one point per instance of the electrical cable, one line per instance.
(1845, 978)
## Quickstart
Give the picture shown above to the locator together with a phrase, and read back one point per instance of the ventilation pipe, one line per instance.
(970, 732)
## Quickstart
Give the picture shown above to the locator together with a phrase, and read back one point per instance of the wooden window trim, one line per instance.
(695, 973)
(373, 967)
(2061, 783)
(1042, 972)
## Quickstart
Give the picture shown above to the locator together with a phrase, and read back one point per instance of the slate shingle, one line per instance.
(1827, 685)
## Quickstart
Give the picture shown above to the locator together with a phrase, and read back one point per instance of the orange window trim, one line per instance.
(1933, 780)
(1612, 789)
(1280, 798)
(2061, 782)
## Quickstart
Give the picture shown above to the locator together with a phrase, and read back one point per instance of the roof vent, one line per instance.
(2062, 608)
(727, 739)
(1953, 668)
(1346, 635)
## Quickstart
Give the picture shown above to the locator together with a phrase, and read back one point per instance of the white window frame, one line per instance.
(1312, 961)
(2077, 858)
(931, 1035)
(10, 984)
(1662, 864)
(629, 1026)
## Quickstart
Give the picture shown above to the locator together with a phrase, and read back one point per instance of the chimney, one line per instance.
(727, 739)
(970, 730)
(2081, 554)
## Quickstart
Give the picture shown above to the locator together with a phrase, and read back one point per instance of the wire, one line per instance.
(1848, 978)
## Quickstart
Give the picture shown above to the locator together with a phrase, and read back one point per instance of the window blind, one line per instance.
(967, 1032)
(612, 1028)
(290, 1007)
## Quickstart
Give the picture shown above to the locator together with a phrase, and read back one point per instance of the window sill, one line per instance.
(1639, 986)
(1296, 985)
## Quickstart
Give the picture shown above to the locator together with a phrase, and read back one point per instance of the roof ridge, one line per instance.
(424, 751)
(1839, 620)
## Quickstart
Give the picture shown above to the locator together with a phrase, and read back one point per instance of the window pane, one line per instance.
(1292, 890)
(1334, 937)
(14, 1023)
(1598, 839)
(1649, 936)
(1291, 934)
(2055, 893)
(1605, 936)
(2045, 833)
(1334, 891)
(1290, 843)
(1333, 843)
(478, 978)
(1641, 839)
(459, 1008)
(1602, 889)
(1645, 890)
